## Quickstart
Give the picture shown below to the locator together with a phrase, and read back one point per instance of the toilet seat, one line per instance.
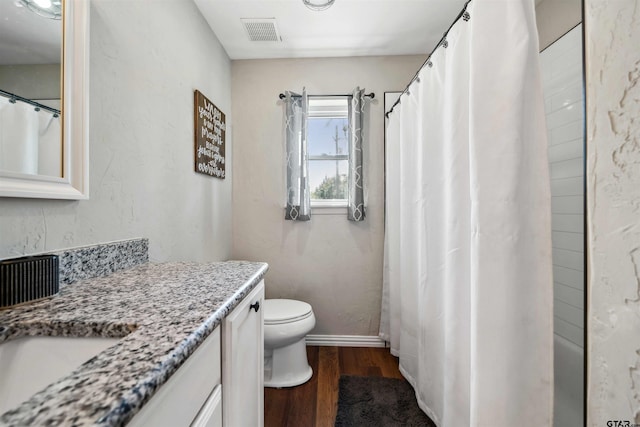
(279, 311)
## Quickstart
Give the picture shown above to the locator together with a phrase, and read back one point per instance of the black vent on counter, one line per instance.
(28, 279)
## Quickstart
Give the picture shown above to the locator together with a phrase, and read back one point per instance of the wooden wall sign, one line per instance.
(209, 135)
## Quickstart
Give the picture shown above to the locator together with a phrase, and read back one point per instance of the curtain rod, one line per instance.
(370, 95)
(13, 98)
(443, 42)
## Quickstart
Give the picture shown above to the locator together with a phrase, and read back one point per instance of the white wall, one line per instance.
(330, 262)
(144, 70)
(31, 81)
(556, 17)
(613, 188)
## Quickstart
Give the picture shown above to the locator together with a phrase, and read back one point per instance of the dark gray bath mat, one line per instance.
(376, 401)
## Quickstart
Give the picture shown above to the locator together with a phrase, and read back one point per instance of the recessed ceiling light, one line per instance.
(318, 5)
(44, 8)
(45, 4)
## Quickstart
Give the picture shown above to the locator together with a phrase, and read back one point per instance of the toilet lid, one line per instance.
(285, 310)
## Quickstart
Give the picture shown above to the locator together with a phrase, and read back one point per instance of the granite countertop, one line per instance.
(161, 311)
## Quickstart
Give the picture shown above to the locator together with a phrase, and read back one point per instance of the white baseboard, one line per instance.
(345, 340)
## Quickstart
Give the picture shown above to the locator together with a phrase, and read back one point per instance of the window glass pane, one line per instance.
(327, 136)
(328, 179)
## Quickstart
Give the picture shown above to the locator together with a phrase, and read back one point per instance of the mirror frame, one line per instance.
(74, 184)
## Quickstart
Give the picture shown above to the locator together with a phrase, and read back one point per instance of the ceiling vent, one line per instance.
(261, 30)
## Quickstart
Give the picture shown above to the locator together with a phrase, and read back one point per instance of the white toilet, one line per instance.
(286, 322)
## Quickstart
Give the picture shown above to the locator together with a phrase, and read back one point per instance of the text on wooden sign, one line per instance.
(210, 132)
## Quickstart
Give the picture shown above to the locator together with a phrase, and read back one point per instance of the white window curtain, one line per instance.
(467, 294)
(298, 204)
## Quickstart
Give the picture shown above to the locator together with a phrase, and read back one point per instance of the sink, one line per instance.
(29, 364)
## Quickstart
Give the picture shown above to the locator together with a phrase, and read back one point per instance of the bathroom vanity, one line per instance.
(189, 348)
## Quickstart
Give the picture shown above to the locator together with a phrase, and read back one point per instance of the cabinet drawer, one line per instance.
(211, 413)
(179, 400)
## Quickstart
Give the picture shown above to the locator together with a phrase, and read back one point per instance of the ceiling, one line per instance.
(26, 38)
(348, 28)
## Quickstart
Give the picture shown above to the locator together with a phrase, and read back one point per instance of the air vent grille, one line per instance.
(28, 279)
(261, 30)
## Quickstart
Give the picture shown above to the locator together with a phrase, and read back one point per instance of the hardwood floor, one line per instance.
(315, 403)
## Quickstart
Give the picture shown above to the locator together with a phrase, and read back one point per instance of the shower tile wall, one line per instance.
(562, 80)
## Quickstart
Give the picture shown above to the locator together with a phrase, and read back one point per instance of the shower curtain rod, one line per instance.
(370, 95)
(13, 98)
(443, 42)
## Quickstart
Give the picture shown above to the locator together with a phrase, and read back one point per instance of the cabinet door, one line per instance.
(243, 364)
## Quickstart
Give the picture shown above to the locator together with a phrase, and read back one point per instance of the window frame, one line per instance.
(329, 205)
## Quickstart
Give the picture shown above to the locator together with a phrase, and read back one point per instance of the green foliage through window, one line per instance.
(332, 187)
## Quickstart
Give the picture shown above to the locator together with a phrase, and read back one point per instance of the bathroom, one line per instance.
(146, 58)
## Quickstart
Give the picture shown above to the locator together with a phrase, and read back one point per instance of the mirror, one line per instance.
(44, 104)
(30, 95)
(561, 65)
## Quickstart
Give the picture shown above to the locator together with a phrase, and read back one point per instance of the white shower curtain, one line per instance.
(30, 139)
(18, 137)
(467, 299)
(49, 144)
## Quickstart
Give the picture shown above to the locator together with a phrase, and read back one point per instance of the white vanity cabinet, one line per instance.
(242, 362)
(221, 383)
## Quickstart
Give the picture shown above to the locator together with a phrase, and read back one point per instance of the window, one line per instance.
(328, 150)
